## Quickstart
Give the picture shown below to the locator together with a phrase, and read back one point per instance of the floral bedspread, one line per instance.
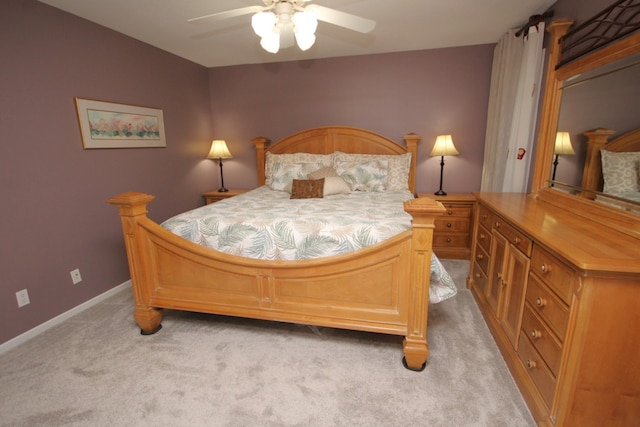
(267, 224)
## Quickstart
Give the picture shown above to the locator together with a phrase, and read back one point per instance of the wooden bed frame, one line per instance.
(598, 139)
(383, 288)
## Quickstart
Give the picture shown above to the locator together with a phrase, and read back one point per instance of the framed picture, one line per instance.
(109, 125)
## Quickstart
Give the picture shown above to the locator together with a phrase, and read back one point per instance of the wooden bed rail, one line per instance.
(383, 288)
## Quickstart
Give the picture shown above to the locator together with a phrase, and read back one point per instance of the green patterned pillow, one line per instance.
(398, 172)
(364, 176)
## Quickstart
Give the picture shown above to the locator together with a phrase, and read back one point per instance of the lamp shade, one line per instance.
(444, 146)
(563, 144)
(263, 23)
(219, 150)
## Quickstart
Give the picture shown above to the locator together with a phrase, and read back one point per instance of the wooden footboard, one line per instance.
(383, 288)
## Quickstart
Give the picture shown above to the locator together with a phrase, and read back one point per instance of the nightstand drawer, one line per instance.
(457, 210)
(216, 196)
(452, 240)
(453, 224)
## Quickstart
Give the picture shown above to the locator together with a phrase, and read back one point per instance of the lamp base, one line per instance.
(222, 190)
(440, 193)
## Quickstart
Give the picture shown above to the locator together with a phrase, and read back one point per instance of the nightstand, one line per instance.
(452, 235)
(216, 196)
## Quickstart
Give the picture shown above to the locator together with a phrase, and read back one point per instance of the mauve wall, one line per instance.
(54, 216)
(427, 92)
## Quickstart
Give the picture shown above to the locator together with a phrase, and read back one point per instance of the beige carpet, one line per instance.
(95, 369)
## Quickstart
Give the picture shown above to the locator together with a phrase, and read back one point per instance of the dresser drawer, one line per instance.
(483, 238)
(485, 217)
(555, 274)
(480, 277)
(536, 369)
(513, 236)
(482, 259)
(451, 240)
(548, 306)
(453, 224)
(542, 339)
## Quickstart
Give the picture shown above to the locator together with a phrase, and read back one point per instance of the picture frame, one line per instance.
(111, 125)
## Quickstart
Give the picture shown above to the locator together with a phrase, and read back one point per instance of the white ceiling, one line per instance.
(402, 25)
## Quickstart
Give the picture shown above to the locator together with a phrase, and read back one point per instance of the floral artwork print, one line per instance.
(112, 125)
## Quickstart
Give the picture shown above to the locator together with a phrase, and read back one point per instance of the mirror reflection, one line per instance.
(607, 97)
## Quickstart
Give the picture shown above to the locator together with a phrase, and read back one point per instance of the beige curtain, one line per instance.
(512, 112)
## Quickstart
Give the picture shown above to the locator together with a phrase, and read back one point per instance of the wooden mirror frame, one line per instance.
(555, 75)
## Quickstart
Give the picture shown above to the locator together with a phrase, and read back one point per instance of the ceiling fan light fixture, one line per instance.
(305, 22)
(263, 23)
(271, 41)
(305, 40)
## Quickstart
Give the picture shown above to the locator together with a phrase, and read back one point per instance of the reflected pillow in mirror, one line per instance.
(620, 171)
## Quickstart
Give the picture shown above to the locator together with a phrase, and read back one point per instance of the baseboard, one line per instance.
(31, 333)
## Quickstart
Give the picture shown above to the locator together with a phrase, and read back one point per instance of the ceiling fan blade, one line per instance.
(229, 13)
(342, 19)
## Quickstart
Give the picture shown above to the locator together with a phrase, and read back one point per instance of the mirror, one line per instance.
(600, 89)
(606, 97)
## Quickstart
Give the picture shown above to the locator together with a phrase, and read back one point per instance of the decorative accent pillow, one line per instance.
(325, 172)
(335, 185)
(283, 174)
(620, 171)
(307, 188)
(364, 176)
(272, 159)
(398, 171)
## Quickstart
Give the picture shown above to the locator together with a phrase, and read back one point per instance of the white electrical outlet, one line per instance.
(22, 297)
(75, 276)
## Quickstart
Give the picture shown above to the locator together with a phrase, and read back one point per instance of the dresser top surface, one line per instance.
(586, 244)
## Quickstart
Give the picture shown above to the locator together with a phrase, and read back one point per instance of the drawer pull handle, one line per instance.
(479, 257)
(497, 224)
(544, 268)
(482, 236)
(449, 212)
(448, 239)
(531, 364)
(516, 240)
(449, 224)
(484, 216)
(535, 334)
(541, 302)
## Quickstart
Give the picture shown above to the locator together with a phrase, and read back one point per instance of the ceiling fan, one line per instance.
(278, 22)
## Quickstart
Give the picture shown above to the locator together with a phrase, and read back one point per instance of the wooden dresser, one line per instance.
(561, 296)
(452, 235)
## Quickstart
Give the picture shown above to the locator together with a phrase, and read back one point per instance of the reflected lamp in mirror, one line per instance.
(562, 147)
(443, 147)
(219, 151)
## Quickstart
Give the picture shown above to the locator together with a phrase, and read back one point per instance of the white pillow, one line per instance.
(364, 176)
(271, 159)
(335, 185)
(620, 172)
(398, 171)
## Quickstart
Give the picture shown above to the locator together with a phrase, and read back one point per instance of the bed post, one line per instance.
(412, 140)
(424, 212)
(133, 208)
(592, 174)
(261, 145)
